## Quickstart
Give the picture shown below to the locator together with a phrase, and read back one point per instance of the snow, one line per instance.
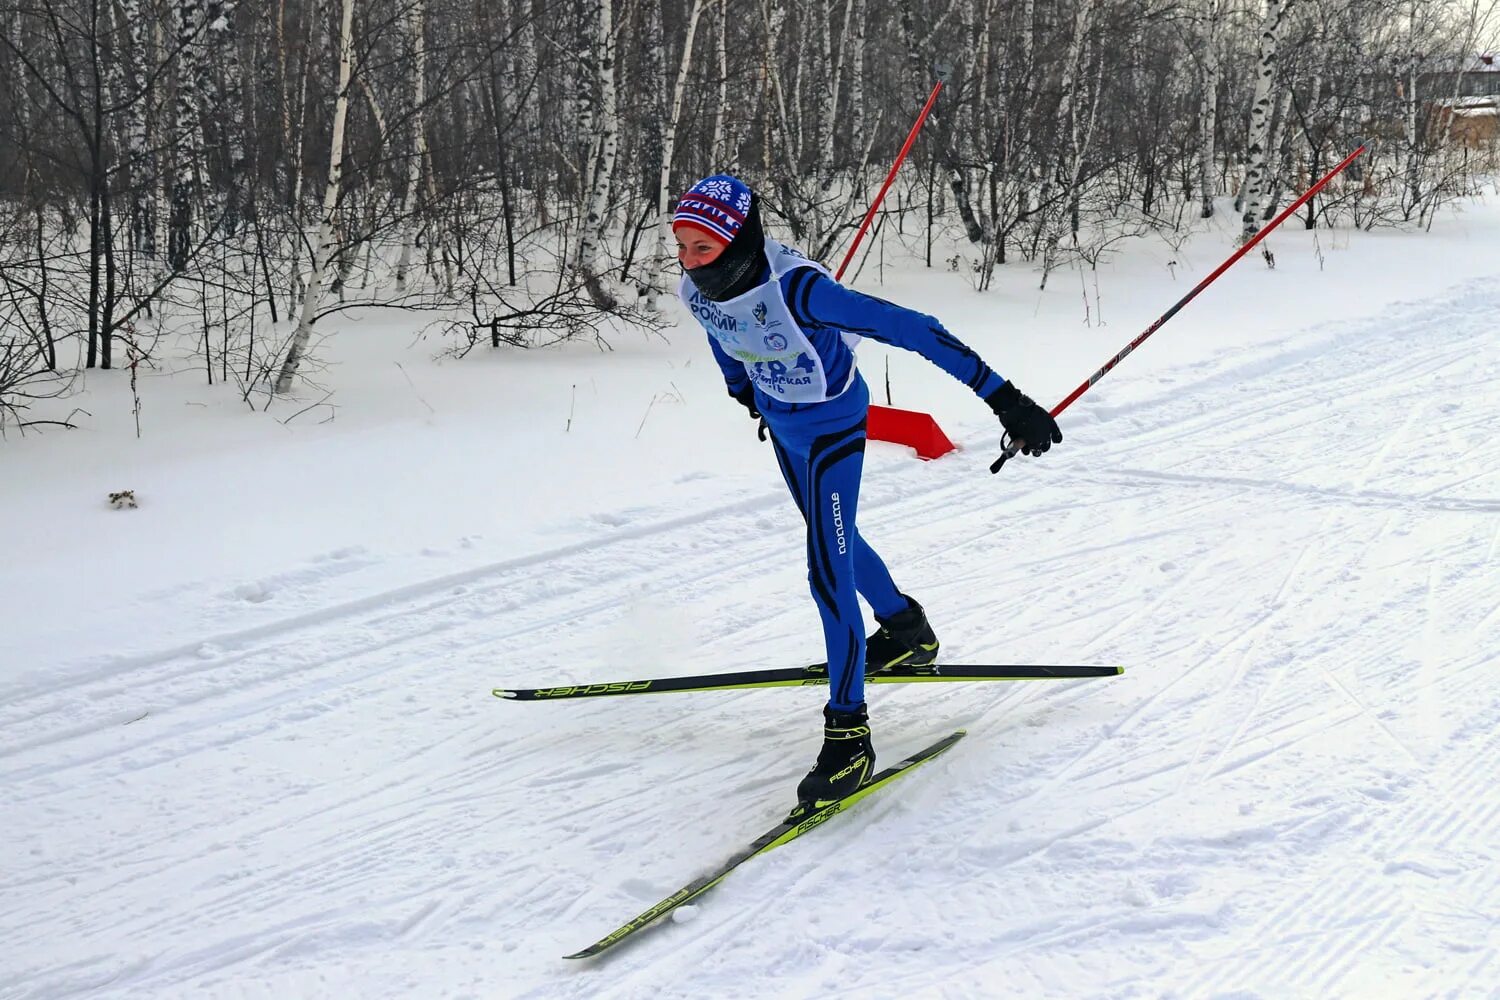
(247, 745)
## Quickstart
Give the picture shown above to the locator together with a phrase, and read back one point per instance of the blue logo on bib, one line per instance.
(775, 342)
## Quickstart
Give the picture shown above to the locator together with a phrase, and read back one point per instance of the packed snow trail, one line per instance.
(1290, 793)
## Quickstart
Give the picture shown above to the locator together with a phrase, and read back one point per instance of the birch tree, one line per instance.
(186, 145)
(1208, 107)
(327, 243)
(856, 33)
(721, 105)
(416, 26)
(225, 41)
(139, 154)
(669, 144)
(1074, 116)
(596, 216)
(1262, 106)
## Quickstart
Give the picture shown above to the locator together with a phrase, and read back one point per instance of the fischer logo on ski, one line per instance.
(587, 690)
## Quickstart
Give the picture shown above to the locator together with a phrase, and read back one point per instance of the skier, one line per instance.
(783, 331)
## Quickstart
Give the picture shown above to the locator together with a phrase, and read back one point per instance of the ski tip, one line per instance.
(1119, 670)
(503, 693)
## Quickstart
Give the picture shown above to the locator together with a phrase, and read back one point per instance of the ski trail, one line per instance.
(1289, 792)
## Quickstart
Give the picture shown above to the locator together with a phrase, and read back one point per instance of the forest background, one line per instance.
(222, 174)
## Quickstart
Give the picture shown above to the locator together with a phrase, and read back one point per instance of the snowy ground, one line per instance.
(247, 746)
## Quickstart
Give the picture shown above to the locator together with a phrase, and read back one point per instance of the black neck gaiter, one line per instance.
(738, 269)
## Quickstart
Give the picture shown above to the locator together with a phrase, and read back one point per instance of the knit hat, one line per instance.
(717, 205)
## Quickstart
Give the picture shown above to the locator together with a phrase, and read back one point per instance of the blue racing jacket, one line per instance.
(793, 335)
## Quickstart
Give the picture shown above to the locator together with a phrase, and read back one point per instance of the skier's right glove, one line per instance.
(746, 398)
(1028, 424)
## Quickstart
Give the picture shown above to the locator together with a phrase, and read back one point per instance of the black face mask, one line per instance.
(738, 269)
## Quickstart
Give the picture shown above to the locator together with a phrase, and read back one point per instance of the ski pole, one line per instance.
(1011, 447)
(901, 156)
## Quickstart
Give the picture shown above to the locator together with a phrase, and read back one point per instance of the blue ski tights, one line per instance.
(821, 450)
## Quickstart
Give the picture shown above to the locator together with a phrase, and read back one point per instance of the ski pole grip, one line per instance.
(1005, 456)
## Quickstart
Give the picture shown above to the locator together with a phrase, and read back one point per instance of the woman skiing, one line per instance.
(783, 331)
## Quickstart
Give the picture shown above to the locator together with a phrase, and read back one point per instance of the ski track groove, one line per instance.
(1248, 635)
(1280, 604)
(1302, 946)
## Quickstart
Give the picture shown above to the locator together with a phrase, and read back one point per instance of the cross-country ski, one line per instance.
(809, 676)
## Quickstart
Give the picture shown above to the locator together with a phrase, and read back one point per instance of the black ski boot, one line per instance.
(904, 638)
(846, 761)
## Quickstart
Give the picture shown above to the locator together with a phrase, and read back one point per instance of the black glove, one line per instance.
(1028, 424)
(746, 398)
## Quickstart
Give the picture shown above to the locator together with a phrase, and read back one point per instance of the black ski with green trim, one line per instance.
(803, 676)
(789, 829)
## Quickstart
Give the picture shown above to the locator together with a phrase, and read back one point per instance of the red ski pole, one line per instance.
(910, 139)
(1011, 448)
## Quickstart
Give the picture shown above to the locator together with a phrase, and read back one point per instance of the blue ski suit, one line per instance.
(793, 337)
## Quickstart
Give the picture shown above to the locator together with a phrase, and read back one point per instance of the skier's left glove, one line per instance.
(746, 398)
(1028, 424)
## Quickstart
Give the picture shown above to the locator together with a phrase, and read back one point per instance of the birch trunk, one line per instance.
(1261, 108)
(416, 26)
(165, 139)
(1275, 160)
(856, 33)
(1066, 111)
(1409, 114)
(284, 91)
(581, 82)
(1312, 120)
(596, 217)
(1208, 107)
(717, 151)
(1069, 156)
(978, 126)
(918, 74)
(138, 152)
(669, 146)
(232, 108)
(326, 242)
(185, 134)
(826, 82)
(526, 66)
(774, 12)
(1028, 37)
(1025, 108)
(654, 155)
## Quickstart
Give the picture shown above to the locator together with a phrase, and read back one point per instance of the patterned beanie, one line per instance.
(717, 205)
